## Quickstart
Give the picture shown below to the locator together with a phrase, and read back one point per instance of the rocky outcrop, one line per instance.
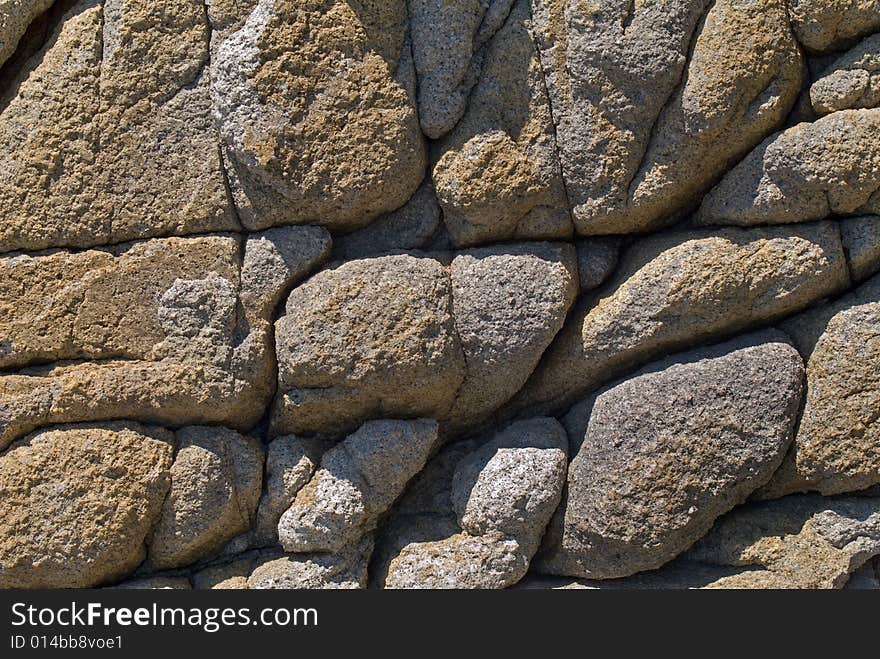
(666, 452)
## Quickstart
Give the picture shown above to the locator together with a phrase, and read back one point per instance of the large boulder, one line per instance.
(826, 25)
(216, 480)
(837, 448)
(676, 290)
(110, 136)
(296, 94)
(669, 450)
(807, 172)
(79, 503)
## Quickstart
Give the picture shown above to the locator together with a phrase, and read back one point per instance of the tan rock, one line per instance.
(216, 481)
(498, 175)
(296, 94)
(861, 240)
(15, 16)
(370, 337)
(110, 136)
(676, 290)
(78, 503)
(825, 25)
(851, 81)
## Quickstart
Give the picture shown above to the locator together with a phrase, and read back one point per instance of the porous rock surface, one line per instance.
(439, 294)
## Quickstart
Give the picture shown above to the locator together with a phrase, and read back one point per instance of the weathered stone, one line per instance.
(15, 16)
(344, 570)
(597, 259)
(78, 503)
(155, 583)
(669, 450)
(807, 172)
(676, 290)
(216, 481)
(370, 338)
(498, 175)
(825, 25)
(357, 482)
(304, 137)
(795, 542)
(109, 137)
(509, 304)
(503, 495)
(290, 463)
(412, 226)
(851, 81)
(837, 448)
(861, 240)
(866, 577)
(447, 38)
(165, 331)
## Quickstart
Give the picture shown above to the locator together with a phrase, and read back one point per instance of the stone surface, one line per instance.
(109, 137)
(675, 290)
(509, 303)
(368, 337)
(79, 502)
(851, 81)
(795, 542)
(158, 331)
(345, 570)
(597, 259)
(447, 38)
(642, 129)
(357, 482)
(808, 172)
(484, 514)
(825, 25)
(861, 240)
(837, 448)
(290, 463)
(216, 481)
(497, 173)
(156, 583)
(669, 450)
(15, 16)
(304, 139)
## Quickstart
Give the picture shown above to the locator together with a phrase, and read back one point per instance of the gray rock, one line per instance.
(673, 291)
(669, 450)
(290, 463)
(861, 240)
(866, 577)
(503, 494)
(303, 139)
(803, 541)
(597, 259)
(412, 226)
(446, 39)
(509, 304)
(370, 338)
(851, 81)
(826, 25)
(807, 172)
(344, 570)
(497, 173)
(216, 481)
(357, 482)
(837, 448)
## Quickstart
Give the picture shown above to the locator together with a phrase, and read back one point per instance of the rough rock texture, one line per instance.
(215, 486)
(486, 516)
(79, 502)
(164, 331)
(837, 448)
(498, 174)
(357, 481)
(808, 172)
(824, 25)
(300, 127)
(329, 293)
(669, 450)
(680, 289)
(851, 81)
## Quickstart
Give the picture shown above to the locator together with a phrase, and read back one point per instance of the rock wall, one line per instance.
(439, 294)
